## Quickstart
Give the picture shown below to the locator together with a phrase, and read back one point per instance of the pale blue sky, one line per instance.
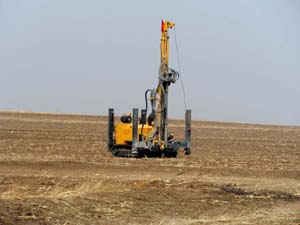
(240, 59)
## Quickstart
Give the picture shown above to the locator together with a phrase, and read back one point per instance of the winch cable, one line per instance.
(179, 69)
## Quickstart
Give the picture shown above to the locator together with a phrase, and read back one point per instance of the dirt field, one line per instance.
(55, 169)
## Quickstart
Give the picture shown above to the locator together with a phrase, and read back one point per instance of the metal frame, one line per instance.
(110, 129)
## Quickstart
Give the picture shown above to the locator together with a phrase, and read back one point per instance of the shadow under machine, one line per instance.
(148, 135)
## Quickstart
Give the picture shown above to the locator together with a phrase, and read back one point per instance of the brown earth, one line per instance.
(55, 169)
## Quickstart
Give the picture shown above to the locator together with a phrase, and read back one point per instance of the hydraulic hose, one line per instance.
(146, 101)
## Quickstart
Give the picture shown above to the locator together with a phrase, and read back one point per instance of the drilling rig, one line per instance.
(148, 135)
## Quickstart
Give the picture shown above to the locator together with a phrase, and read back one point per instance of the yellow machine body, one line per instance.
(123, 132)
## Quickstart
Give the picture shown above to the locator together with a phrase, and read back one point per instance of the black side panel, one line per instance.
(110, 129)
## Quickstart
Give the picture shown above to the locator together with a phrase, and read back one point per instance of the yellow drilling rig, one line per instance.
(149, 135)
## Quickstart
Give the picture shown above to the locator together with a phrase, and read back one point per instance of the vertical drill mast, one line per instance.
(165, 78)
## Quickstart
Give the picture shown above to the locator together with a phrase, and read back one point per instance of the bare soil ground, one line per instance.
(55, 169)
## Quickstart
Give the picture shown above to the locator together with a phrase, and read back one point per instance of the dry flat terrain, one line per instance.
(55, 169)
